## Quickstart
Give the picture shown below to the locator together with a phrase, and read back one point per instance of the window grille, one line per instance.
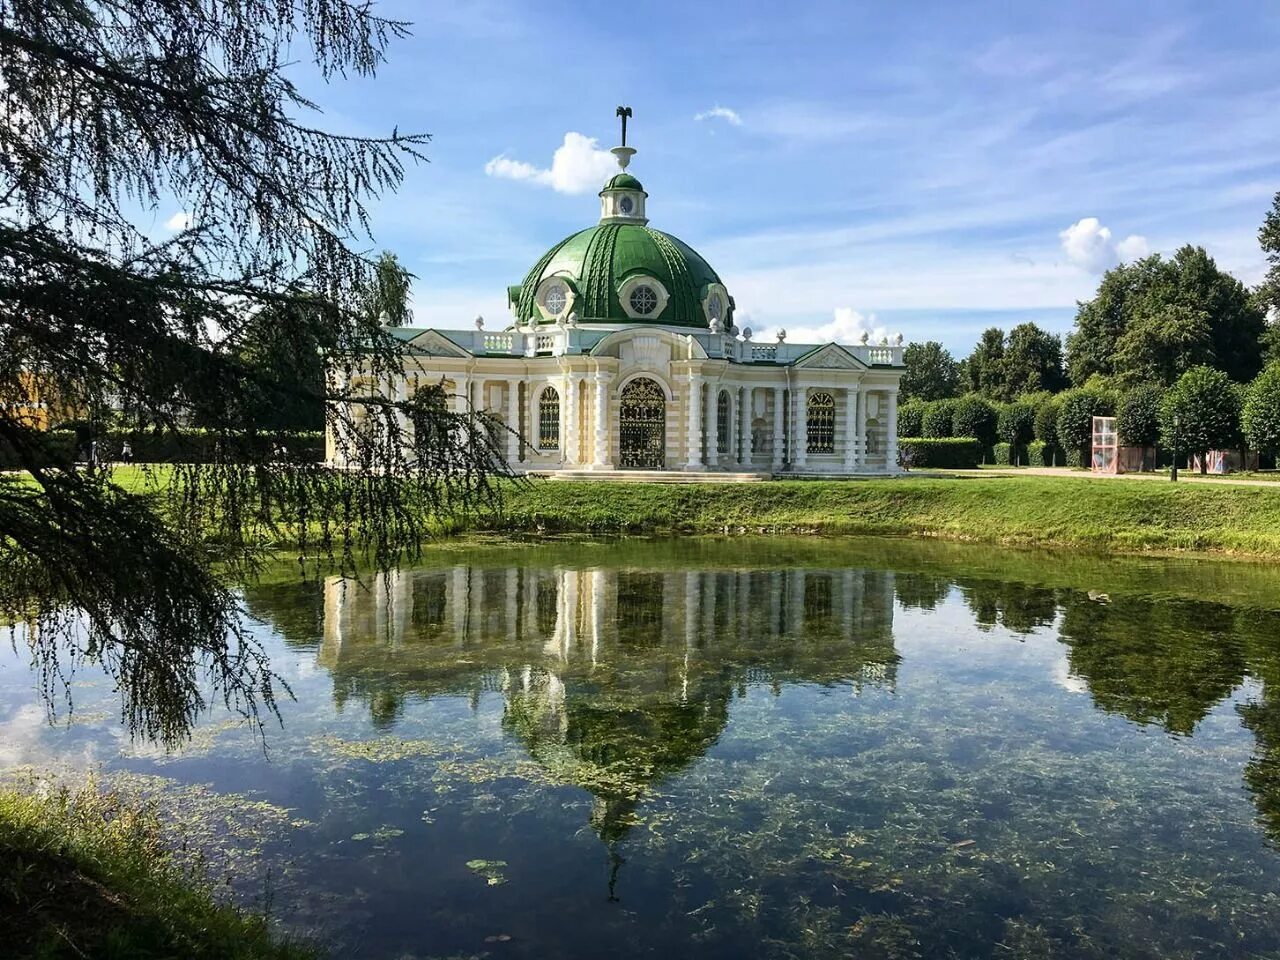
(821, 420)
(722, 422)
(549, 420)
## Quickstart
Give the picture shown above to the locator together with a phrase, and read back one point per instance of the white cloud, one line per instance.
(1089, 245)
(718, 112)
(1132, 248)
(578, 165)
(179, 221)
(846, 326)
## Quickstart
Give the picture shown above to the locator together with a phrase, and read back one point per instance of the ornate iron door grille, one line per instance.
(642, 426)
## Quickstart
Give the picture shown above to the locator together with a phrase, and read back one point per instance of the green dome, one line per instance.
(622, 181)
(597, 261)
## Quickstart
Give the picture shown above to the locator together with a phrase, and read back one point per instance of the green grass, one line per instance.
(1058, 511)
(89, 874)
(1116, 515)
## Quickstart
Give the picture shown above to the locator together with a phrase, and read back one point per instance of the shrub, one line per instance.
(953, 453)
(1046, 421)
(1260, 417)
(936, 422)
(974, 417)
(1002, 454)
(911, 418)
(1015, 424)
(1138, 416)
(1074, 458)
(1207, 405)
(1076, 410)
(1041, 454)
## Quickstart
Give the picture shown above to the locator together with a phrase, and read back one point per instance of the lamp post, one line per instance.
(1173, 473)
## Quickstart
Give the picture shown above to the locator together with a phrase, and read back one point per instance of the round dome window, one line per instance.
(715, 307)
(555, 298)
(644, 299)
(626, 205)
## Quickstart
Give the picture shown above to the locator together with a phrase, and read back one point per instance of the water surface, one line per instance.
(730, 748)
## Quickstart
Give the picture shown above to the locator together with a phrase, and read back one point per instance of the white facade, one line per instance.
(727, 404)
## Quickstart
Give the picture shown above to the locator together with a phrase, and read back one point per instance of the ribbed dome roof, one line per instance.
(599, 260)
(622, 181)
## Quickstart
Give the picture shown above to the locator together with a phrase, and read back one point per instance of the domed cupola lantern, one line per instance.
(622, 270)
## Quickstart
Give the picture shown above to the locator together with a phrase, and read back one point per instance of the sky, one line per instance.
(924, 168)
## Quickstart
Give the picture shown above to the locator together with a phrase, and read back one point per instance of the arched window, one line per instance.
(821, 421)
(722, 422)
(549, 419)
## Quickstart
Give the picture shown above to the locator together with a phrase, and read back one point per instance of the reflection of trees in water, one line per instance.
(646, 661)
(1260, 633)
(921, 591)
(1016, 607)
(1167, 662)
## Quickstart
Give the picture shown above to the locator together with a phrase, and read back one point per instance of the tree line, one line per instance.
(1179, 351)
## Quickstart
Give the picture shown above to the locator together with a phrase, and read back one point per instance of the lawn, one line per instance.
(1060, 511)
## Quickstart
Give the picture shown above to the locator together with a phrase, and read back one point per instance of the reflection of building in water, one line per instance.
(824, 626)
(612, 679)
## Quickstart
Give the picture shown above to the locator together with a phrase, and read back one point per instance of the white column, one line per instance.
(711, 423)
(600, 460)
(569, 445)
(513, 421)
(779, 423)
(744, 414)
(802, 426)
(462, 398)
(693, 439)
(850, 428)
(861, 432)
(891, 448)
(566, 417)
(398, 391)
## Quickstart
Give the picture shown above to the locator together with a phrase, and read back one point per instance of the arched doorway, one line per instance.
(642, 426)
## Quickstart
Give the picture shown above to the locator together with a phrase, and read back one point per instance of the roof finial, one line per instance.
(623, 153)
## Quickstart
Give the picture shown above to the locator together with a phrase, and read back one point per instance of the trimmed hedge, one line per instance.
(952, 453)
(187, 446)
(1041, 454)
(1008, 455)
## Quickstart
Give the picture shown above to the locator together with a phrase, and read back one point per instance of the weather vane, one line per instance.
(624, 113)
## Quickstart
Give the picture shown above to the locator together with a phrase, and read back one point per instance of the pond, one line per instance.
(728, 748)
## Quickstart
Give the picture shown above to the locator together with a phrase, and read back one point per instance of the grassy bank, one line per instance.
(87, 874)
(1119, 515)
(1039, 511)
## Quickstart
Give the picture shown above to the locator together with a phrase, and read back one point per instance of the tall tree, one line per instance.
(386, 297)
(984, 368)
(1201, 412)
(1152, 320)
(1032, 361)
(1268, 292)
(114, 108)
(932, 373)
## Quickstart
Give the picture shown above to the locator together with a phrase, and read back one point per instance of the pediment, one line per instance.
(436, 344)
(830, 357)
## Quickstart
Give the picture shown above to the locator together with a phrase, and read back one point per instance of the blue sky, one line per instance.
(929, 168)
